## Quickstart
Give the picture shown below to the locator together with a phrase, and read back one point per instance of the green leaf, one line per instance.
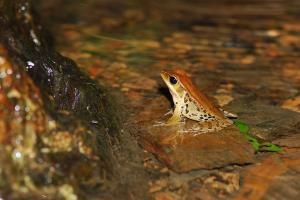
(271, 147)
(255, 144)
(244, 128)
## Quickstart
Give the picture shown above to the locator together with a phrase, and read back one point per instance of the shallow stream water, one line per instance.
(245, 55)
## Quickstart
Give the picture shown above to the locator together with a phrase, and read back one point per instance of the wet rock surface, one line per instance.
(183, 149)
(243, 54)
(205, 151)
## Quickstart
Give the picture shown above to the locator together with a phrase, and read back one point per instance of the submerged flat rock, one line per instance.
(183, 150)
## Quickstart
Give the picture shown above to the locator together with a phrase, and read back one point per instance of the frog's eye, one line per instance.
(173, 80)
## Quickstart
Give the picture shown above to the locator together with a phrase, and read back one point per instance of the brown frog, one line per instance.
(190, 103)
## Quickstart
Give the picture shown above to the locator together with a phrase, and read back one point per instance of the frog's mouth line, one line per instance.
(173, 94)
(165, 76)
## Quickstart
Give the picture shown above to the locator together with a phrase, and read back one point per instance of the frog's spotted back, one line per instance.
(207, 121)
(194, 111)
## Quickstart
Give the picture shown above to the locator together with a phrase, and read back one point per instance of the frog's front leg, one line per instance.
(176, 117)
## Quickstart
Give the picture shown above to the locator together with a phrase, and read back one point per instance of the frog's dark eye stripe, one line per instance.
(173, 80)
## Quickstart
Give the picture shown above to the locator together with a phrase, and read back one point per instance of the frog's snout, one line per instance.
(164, 75)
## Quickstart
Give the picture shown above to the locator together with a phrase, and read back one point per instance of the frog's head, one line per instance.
(173, 79)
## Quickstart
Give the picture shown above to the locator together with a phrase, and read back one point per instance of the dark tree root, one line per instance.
(68, 93)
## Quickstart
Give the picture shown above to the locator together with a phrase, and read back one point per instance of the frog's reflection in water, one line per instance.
(176, 134)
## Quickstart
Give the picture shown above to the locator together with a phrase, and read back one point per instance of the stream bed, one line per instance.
(243, 54)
